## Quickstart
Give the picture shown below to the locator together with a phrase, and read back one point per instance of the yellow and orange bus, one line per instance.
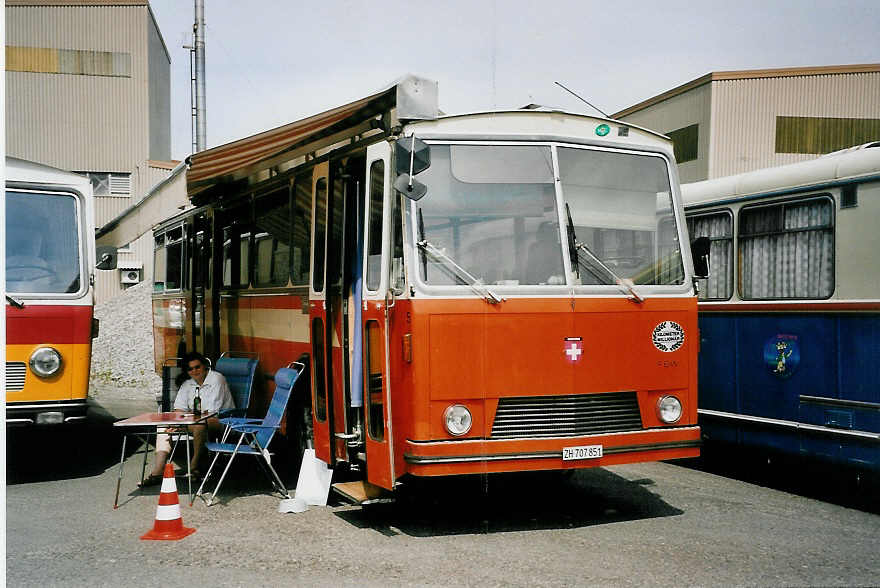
(50, 256)
(488, 292)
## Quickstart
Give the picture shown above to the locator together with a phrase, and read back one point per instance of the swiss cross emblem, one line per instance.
(573, 348)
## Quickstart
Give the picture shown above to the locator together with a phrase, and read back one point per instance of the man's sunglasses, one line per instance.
(190, 368)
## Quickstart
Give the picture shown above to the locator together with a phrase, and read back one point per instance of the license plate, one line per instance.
(581, 452)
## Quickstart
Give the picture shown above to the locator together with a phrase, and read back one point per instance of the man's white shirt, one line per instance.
(214, 392)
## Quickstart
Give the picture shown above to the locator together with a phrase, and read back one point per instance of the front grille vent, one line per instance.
(566, 416)
(15, 375)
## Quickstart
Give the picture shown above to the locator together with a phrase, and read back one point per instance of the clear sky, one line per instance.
(270, 62)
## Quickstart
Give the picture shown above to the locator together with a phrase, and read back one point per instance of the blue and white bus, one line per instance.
(790, 315)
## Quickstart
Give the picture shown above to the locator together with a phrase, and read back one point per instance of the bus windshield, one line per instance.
(491, 215)
(42, 243)
(621, 216)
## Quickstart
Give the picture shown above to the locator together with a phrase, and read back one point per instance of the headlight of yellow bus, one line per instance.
(669, 409)
(45, 362)
(458, 420)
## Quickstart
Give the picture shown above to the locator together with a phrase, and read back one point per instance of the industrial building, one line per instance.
(88, 90)
(731, 122)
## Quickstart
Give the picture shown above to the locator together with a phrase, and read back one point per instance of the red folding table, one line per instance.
(144, 425)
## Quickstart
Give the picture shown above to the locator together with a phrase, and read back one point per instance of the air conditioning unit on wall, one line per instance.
(129, 276)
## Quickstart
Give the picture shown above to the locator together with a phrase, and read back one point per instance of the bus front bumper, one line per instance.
(45, 413)
(476, 456)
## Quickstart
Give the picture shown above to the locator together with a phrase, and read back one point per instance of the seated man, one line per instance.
(214, 392)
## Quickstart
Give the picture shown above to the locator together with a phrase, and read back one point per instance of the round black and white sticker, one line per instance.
(668, 336)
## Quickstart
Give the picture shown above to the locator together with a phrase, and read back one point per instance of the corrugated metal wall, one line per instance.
(744, 114)
(680, 111)
(105, 118)
(92, 123)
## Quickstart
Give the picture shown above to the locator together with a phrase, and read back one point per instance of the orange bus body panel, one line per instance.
(473, 353)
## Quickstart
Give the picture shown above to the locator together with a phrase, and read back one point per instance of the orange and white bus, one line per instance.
(487, 292)
(50, 253)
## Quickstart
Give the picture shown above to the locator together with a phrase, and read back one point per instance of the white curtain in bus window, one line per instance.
(42, 243)
(787, 250)
(621, 210)
(717, 227)
(488, 208)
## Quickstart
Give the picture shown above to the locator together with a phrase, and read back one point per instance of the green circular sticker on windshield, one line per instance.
(603, 130)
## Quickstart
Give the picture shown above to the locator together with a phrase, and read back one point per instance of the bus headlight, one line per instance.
(669, 409)
(45, 362)
(458, 420)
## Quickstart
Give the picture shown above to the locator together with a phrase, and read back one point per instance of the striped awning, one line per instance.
(242, 157)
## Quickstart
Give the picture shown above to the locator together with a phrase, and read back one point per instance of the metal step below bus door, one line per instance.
(362, 492)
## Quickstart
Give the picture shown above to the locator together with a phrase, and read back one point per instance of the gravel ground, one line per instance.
(655, 524)
(123, 381)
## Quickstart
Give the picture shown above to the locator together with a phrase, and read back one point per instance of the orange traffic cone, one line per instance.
(169, 524)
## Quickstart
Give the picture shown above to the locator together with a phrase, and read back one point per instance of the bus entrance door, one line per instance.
(321, 335)
(376, 316)
(333, 304)
(200, 242)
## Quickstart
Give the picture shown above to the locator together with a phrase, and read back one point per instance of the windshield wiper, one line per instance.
(456, 270)
(610, 276)
(461, 273)
(14, 302)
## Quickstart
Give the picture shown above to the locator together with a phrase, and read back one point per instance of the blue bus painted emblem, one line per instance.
(782, 355)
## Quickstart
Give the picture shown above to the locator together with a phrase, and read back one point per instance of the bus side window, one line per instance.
(174, 259)
(398, 278)
(375, 362)
(159, 263)
(236, 247)
(374, 246)
(320, 234)
(787, 250)
(272, 239)
(301, 227)
(718, 227)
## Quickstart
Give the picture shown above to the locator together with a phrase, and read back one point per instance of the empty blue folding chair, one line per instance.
(255, 437)
(239, 373)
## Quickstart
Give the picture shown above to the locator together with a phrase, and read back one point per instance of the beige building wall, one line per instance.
(737, 112)
(744, 114)
(105, 116)
(677, 112)
(137, 255)
(88, 90)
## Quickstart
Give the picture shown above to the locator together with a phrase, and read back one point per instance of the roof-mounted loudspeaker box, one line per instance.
(417, 99)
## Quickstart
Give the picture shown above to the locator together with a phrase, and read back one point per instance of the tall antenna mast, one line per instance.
(582, 100)
(197, 78)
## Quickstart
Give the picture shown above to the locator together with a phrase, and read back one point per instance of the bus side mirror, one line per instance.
(700, 254)
(410, 187)
(412, 156)
(106, 256)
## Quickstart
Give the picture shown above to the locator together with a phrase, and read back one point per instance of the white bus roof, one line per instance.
(531, 124)
(838, 167)
(24, 171)
(412, 100)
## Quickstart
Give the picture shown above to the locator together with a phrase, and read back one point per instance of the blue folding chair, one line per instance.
(255, 437)
(239, 373)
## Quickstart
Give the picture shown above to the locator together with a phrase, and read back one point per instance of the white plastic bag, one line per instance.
(313, 484)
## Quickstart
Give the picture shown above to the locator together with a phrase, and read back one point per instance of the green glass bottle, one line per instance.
(197, 402)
